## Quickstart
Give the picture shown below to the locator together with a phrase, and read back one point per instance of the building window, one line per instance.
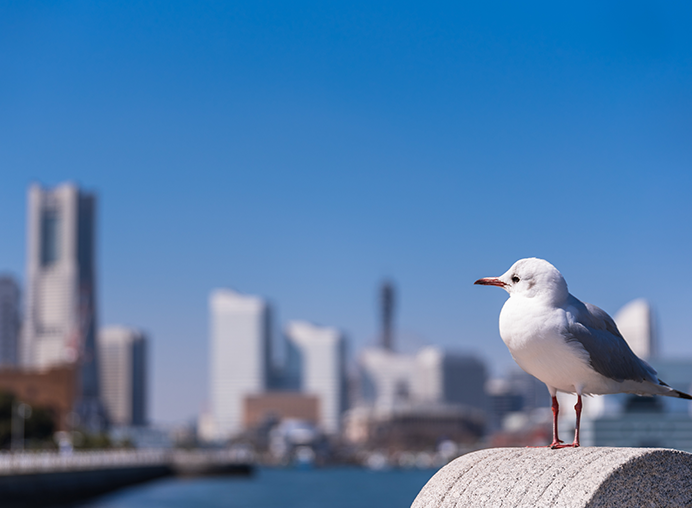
(50, 237)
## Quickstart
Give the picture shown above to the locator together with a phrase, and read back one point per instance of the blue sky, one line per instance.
(303, 152)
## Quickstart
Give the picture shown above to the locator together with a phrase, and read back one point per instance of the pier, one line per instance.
(45, 479)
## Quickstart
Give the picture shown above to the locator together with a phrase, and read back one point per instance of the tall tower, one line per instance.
(122, 364)
(60, 320)
(321, 357)
(239, 356)
(9, 321)
(387, 306)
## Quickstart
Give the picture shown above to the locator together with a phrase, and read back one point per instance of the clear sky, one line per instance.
(305, 151)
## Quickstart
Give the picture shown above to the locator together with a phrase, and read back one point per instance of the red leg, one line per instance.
(575, 444)
(556, 410)
(577, 408)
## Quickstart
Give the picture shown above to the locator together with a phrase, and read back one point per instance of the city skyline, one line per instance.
(306, 154)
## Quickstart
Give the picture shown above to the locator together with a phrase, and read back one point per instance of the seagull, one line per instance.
(572, 347)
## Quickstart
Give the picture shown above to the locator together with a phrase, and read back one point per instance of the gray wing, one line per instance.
(609, 353)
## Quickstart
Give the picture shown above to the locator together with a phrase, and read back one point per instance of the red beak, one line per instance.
(490, 281)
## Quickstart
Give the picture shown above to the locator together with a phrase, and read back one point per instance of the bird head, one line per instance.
(530, 278)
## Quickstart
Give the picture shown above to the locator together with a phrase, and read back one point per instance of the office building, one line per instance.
(412, 401)
(318, 355)
(272, 407)
(431, 376)
(61, 316)
(449, 377)
(9, 321)
(386, 377)
(122, 365)
(240, 354)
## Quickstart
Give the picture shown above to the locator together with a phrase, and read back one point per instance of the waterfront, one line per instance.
(277, 488)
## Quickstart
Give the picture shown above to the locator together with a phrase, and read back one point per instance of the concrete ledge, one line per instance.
(582, 477)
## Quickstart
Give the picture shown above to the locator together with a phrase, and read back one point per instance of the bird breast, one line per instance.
(532, 333)
(526, 324)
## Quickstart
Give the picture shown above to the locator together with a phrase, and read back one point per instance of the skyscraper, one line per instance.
(240, 356)
(60, 320)
(122, 365)
(318, 353)
(387, 305)
(9, 321)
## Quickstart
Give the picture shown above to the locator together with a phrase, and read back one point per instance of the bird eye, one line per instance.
(515, 279)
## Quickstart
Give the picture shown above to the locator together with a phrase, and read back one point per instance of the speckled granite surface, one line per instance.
(582, 477)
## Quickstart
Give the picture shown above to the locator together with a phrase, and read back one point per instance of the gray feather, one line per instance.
(609, 353)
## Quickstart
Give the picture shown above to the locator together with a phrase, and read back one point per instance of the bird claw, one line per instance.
(557, 446)
(557, 443)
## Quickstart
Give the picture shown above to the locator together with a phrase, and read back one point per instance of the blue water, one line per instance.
(277, 488)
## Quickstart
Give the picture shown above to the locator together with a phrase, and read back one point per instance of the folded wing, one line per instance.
(610, 355)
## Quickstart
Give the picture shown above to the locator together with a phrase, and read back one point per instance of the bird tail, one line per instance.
(682, 395)
(675, 393)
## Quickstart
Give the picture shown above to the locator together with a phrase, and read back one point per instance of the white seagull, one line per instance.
(572, 347)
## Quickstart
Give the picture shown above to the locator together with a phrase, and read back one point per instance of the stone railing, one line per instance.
(582, 477)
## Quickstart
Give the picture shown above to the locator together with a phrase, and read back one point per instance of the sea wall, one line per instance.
(47, 489)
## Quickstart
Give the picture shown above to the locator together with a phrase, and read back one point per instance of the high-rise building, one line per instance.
(240, 355)
(9, 321)
(431, 376)
(319, 354)
(386, 377)
(61, 318)
(122, 365)
(387, 306)
(449, 377)
(415, 401)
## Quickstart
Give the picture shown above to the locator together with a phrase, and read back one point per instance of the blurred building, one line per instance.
(297, 442)
(146, 437)
(53, 388)
(240, 358)
(432, 375)
(637, 324)
(386, 377)
(61, 319)
(270, 408)
(414, 401)
(387, 306)
(122, 364)
(408, 427)
(9, 321)
(316, 362)
(517, 392)
(450, 377)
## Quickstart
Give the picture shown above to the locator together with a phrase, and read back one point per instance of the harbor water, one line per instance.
(277, 488)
